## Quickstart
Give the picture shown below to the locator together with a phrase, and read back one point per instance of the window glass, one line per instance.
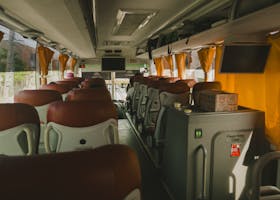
(17, 64)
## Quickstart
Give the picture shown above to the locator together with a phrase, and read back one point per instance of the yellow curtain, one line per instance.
(170, 64)
(181, 64)
(159, 66)
(73, 62)
(63, 61)
(206, 56)
(45, 56)
(1, 35)
(259, 91)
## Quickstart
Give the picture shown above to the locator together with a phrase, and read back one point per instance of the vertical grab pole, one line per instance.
(113, 76)
(204, 171)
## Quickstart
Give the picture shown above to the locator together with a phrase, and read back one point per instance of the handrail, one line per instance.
(204, 173)
(254, 191)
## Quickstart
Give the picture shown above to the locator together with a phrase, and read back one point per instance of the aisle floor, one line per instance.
(152, 187)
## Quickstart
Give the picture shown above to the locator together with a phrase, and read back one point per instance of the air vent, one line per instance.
(108, 51)
(116, 43)
(128, 21)
(117, 50)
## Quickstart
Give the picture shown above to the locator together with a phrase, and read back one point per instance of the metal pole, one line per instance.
(113, 76)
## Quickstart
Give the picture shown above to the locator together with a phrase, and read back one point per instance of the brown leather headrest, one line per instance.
(106, 173)
(78, 79)
(172, 79)
(15, 114)
(190, 82)
(198, 87)
(61, 88)
(71, 83)
(81, 113)
(175, 88)
(91, 94)
(37, 97)
(94, 82)
(157, 83)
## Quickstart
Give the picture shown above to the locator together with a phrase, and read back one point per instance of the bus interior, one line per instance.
(130, 100)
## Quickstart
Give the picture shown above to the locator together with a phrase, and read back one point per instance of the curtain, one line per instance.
(1, 35)
(45, 56)
(259, 91)
(169, 60)
(159, 66)
(73, 62)
(206, 56)
(181, 64)
(63, 61)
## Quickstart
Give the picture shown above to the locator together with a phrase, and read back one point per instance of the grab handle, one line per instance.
(204, 171)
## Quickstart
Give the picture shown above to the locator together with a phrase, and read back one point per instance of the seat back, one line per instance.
(153, 102)
(198, 87)
(169, 94)
(143, 87)
(111, 172)
(136, 94)
(80, 124)
(70, 83)
(79, 79)
(93, 82)
(40, 99)
(61, 88)
(89, 94)
(19, 129)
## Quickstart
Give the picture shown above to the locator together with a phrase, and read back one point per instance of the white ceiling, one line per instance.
(61, 21)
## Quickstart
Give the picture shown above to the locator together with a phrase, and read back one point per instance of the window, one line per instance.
(17, 64)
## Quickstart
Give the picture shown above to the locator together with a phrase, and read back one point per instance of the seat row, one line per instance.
(151, 95)
(87, 118)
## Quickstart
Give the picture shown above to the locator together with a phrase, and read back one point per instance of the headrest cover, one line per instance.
(12, 115)
(37, 97)
(81, 113)
(106, 173)
(90, 94)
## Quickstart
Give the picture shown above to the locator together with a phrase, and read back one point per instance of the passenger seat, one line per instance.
(40, 99)
(80, 125)
(111, 172)
(19, 129)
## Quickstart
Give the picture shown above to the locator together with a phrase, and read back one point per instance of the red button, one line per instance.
(235, 150)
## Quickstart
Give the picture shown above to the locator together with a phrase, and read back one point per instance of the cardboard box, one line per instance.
(218, 101)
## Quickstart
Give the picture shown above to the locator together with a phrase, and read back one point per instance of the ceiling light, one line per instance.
(147, 20)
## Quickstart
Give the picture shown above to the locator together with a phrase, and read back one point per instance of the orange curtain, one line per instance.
(259, 91)
(45, 56)
(63, 61)
(181, 64)
(206, 56)
(169, 60)
(159, 66)
(73, 62)
(1, 35)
